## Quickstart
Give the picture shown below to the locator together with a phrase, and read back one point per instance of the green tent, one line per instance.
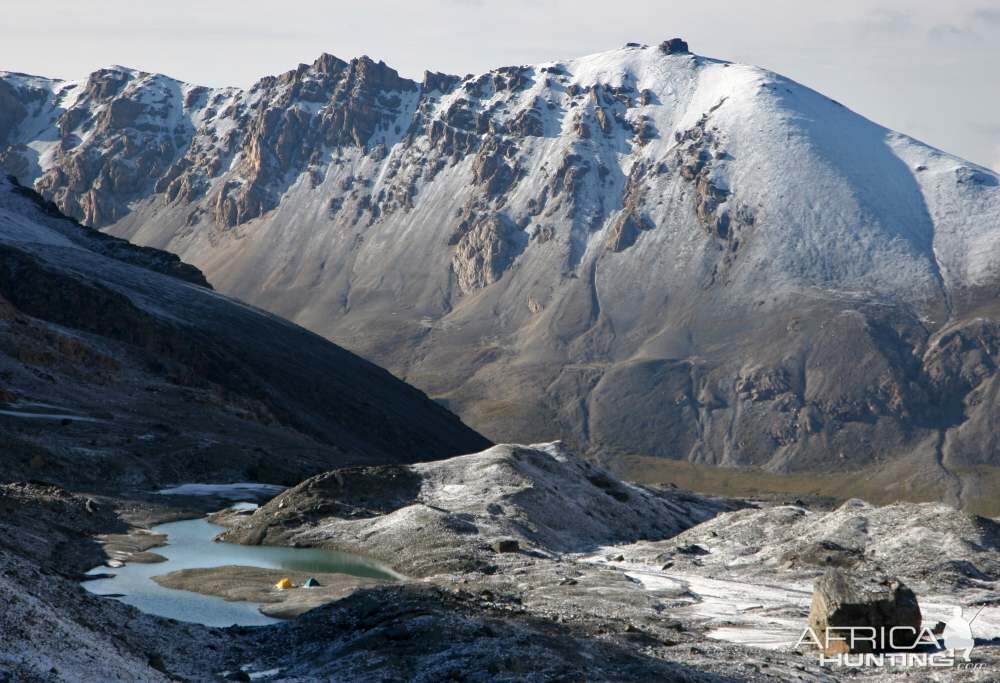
(311, 583)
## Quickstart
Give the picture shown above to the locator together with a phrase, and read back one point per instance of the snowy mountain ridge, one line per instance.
(643, 251)
(761, 116)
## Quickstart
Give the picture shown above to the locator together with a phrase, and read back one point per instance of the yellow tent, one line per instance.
(284, 584)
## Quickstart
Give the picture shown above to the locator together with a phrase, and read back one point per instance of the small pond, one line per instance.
(189, 546)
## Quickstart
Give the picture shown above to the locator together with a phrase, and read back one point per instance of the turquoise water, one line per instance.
(189, 546)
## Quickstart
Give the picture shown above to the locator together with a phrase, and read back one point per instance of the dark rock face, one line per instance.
(11, 111)
(52, 526)
(349, 493)
(506, 545)
(844, 600)
(112, 247)
(674, 46)
(126, 352)
(443, 83)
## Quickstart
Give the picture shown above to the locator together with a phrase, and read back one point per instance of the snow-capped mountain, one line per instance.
(643, 251)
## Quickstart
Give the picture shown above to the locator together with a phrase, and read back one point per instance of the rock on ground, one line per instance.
(842, 599)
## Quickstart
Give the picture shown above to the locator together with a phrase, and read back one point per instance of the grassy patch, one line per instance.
(879, 485)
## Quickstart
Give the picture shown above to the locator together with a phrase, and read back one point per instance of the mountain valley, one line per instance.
(588, 370)
(643, 252)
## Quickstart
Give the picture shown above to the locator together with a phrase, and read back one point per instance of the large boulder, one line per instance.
(844, 600)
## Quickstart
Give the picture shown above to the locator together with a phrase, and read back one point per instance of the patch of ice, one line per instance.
(47, 416)
(243, 491)
(756, 636)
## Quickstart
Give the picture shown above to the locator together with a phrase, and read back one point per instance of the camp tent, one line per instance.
(311, 583)
(284, 584)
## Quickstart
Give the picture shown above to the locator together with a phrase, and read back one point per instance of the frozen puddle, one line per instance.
(47, 416)
(44, 411)
(190, 545)
(239, 491)
(765, 639)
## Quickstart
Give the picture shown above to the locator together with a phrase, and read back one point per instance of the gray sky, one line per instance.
(929, 68)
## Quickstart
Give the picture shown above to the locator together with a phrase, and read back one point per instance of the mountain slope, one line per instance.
(111, 371)
(641, 251)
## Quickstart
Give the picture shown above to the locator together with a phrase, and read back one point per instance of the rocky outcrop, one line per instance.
(491, 168)
(625, 229)
(674, 46)
(699, 151)
(542, 498)
(12, 111)
(931, 547)
(486, 251)
(842, 600)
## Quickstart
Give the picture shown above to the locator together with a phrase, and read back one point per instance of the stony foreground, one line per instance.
(524, 563)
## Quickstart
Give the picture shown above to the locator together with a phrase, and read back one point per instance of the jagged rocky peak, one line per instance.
(105, 83)
(328, 64)
(675, 46)
(361, 71)
(291, 124)
(440, 82)
(115, 134)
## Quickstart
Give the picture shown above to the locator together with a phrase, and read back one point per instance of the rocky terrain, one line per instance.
(459, 511)
(729, 595)
(119, 367)
(528, 564)
(933, 545)
(53, 631)
(645, 252)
